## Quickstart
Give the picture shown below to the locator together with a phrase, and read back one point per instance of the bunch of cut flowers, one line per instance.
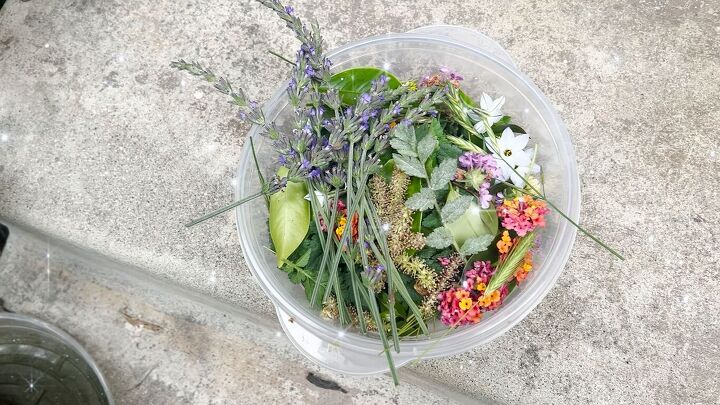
(395, 204)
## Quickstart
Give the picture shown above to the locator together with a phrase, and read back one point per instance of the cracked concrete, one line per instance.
(103, 146)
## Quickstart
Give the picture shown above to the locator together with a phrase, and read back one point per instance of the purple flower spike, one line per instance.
(365, 98)
(289, 10)
(309, 72)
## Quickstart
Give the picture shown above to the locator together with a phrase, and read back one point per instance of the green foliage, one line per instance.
(439, 238)
(455, 208)
(289, 218)
(353, 82)
(432, 220)
(422, 200)
(476, 244)
(441, 176)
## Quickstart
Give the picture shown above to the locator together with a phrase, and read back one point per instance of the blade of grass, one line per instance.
(224, 209)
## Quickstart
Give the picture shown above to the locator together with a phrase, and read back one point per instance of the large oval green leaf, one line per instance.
(289, 218)
(353, 82)
(473, 223)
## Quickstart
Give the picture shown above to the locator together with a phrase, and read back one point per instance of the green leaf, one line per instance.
(432, 220)
(476, 245)
(442, 174)
(289, 218)
(425, 147)
(474, 222)
(387, 169)
(353, 82)
(303, 260)
(422, 200)
(405, 133)
(410, 165)
(448, 151)
(439, 238)
(455, 208)
(436, 129)
(403, 147)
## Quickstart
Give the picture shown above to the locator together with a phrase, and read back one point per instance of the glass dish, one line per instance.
(486, 67)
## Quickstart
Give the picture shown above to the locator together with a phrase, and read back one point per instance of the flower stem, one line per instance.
(224, 209)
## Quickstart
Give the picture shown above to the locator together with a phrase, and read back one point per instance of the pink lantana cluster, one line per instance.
(522, 214)
(465, 305)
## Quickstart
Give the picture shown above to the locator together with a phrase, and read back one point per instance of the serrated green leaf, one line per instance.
(443, 173)
(448, 151)
(303, 260)
(454, 209)
(476, 245)
(402, 147)
(439, 238)
(432, 220)
(406, 134)
(425, 147)
(289, 219)
(410, 165)
(422, 200)
(436, 129)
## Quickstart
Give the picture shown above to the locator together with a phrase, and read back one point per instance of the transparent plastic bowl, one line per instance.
(486, 67)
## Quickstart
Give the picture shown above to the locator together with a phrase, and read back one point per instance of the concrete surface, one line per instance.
(159, 348)
(103, 146)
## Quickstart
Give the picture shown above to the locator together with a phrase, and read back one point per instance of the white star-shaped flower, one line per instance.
(491, 108)
(510, 153)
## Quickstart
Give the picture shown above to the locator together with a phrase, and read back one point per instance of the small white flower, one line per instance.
(514, 155)
(492, 109)
(320, 197)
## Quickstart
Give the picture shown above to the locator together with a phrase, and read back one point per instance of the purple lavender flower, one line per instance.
(307, 129)
(289, 10)
(309, 72)
(305, 165)
(396, 109)
(282, 160)
(365, 98)
(293, 84)
(314, 173)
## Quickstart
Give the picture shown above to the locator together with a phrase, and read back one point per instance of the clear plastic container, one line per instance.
(486, 67)
(39, 363)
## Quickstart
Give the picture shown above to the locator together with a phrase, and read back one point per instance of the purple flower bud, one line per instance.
(309, 72)
(307, 129)
(289, 10)
(396, 109)
(314, 173)
(365, 98)
(305, 164)
(281, 159)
